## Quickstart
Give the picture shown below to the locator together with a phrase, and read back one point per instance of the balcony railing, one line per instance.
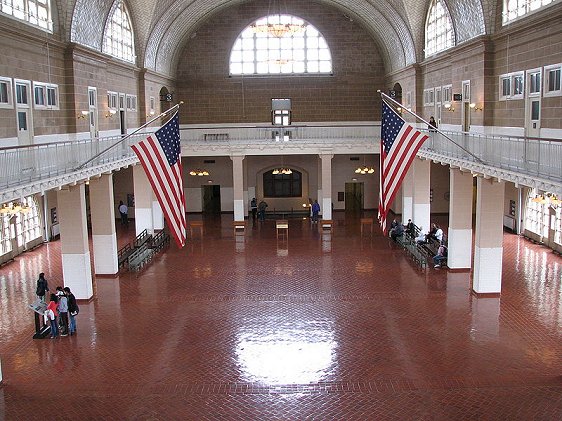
(540, 158)
(532, 157)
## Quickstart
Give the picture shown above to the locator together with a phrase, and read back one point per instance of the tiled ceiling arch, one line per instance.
(163, 26)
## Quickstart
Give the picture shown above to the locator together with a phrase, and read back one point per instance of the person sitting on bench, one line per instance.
(397, 231)
(440, 256)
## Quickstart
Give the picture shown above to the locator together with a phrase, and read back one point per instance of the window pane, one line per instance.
(3, 92)
(39, 95)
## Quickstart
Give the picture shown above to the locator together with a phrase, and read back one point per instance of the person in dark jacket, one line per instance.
(72, 309)
(42, 287)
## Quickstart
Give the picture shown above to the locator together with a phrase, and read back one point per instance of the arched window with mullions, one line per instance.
(282, 185)
(439, 34)
(118, 36)
(280, 44)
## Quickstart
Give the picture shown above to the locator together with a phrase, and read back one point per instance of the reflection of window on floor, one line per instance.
(558, 225)
(282, 185)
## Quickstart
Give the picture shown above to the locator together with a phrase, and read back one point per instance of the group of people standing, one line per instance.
(259, 210)
(62, 309)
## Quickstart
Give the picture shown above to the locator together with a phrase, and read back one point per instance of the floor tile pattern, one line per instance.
(316, 327)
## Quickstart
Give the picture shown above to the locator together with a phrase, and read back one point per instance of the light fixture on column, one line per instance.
(364, 169)
(278, 25)
(475, 107)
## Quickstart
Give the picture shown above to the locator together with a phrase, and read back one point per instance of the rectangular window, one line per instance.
(152, 105)
(428, 96)
(131, 102)
(408, 99)
(281, 117)
(92, 97)
(447, 93)
(518, 89)
(506, 87)
(39, 96)
(45, 95)
(534, 83)
(112, 100)
(5, 92)
(121, 101)
(552, 84)
(21, 94)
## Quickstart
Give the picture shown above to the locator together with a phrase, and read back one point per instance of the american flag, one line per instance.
(399, 144)
(161, 160)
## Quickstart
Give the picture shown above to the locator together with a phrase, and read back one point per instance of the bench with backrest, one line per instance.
(140, 257)
(142, 238)
(159, 241)
(123, 254)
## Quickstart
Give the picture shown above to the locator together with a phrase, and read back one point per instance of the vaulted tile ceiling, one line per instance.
(162, 27)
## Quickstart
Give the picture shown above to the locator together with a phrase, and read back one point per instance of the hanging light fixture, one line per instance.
(14, 208)
(277, 25)
(364, 169)
(282, 169)
(549, 199)
(199, 173)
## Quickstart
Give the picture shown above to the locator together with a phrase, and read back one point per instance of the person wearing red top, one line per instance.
(52, 314)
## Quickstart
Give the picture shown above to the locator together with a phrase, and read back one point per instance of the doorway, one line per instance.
(465, 106)
(533, 104)
(354, 197)
(23, 112)
(211, 197)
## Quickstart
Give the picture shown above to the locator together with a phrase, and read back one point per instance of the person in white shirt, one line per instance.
(124, 211)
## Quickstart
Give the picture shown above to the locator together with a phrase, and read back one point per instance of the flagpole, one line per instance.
(396, 103)
(168, 111)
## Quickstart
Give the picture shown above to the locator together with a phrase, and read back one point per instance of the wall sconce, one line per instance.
(150, 114)
(110, 113)
(83, 114)
(399, 110)
(449, 107)
(473, 106)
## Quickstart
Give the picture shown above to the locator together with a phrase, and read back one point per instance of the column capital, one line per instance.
(239, 155)
(326, 154)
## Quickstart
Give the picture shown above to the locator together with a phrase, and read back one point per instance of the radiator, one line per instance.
(509, 222)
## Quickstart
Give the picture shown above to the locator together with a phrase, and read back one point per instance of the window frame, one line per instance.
(546, 80)
(131, 102)
(7, 81)
(444, 32)
(511, 78)
(529, 76)
(45, 87)
(27, 16)
(119, 36)
(523, 8)
(28, 96)
(447, 94)
(429, 97)
(112, 100)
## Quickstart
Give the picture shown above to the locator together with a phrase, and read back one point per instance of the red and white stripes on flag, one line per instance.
(400, 143)
(160, 156)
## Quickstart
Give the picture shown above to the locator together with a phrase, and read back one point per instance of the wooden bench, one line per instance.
(142, 238)
(196, 225)
(140, 257)
(123, 254)
(326, 225)
(280, 225)
(367, 223)
(239, 227)
(159, 241)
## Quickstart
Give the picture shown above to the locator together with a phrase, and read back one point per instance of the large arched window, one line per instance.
(20, 228)
(118, 36)
(513, 9)
(35, 12)
(439, 33)
(280, 44)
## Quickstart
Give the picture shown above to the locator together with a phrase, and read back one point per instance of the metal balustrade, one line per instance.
(540, 158)
(19, 166)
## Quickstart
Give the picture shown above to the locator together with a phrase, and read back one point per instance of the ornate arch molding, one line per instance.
(385, 24)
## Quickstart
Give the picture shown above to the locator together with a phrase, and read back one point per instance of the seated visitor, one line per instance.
(440, 256)
(397, 231)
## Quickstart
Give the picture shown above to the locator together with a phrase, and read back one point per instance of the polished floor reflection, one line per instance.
(313, 326)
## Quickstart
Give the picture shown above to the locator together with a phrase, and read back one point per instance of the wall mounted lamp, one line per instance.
(110, 113)
(473, 106)
(449, 107)
(83, 114)
(150, 114)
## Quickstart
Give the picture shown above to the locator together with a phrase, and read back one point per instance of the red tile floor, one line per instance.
(318, 327)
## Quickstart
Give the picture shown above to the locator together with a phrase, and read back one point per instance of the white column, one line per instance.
(488, 249)
(421, 206)
(75, 253)
(143, 201)
(460, 220)
(326, 207)
(157, 215)
(103, 225)
(407, 196)
(238, 186)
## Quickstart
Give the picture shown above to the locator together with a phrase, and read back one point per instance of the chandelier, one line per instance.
(282, 170)
(549, 199)
(364, 169)
(199, 173)
(13, 208)
(277, 25)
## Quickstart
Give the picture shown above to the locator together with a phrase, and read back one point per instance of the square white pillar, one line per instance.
(421, 185)
(238, 186)
(460, 220)
(326, 207)
(407, 196)
(143, 201)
